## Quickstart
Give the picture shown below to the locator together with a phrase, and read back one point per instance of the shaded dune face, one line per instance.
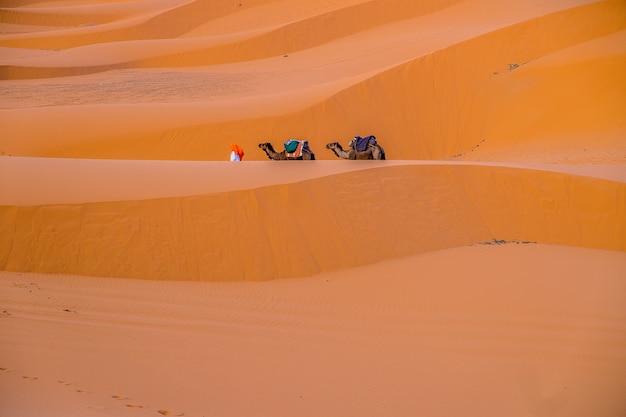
(182, 80)
(317, 225)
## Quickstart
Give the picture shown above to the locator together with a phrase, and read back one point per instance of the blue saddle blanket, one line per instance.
(361, 144)
(291, 145)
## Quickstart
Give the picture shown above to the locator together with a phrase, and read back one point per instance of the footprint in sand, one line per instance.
(80, 391)
(31, 378)
(64, 382)
(120, 397)
(98, 407)
(134, 406)
(170, 413)
(7, 370)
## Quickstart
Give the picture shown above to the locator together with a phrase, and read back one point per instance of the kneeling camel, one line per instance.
(283, 156)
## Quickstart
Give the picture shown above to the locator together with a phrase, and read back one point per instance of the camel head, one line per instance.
(333, 145)
(270, 152)
(266, 146)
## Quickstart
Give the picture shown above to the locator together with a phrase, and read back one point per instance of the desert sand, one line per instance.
(479, 271)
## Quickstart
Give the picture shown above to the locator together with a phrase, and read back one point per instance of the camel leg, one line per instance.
(378, 153)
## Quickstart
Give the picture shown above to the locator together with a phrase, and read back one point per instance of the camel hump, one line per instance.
(294, 144)
(362, 143)
(291, 145)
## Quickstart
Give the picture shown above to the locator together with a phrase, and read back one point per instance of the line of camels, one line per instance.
(372, 151)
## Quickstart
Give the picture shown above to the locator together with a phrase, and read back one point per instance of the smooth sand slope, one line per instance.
(516, 330)
(480, 270)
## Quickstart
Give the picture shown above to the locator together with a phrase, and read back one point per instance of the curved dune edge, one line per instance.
(329, 223)
(500, 330)
(29, 181)
(263, 30)
(340, 27)
(426, 118)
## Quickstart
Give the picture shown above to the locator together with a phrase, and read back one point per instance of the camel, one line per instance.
(377, 151)
(372, 151)
(349, 154)
(282, 156)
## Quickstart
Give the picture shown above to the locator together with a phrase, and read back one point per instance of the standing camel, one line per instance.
(267, 147)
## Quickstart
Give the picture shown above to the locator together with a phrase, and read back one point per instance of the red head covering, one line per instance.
(237, 149)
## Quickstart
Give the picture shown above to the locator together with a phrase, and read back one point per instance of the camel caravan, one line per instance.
(359, 148)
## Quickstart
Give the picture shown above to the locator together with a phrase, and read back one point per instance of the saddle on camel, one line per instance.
(366, 148)
(359, 148)
(361, 144)
(294, 150)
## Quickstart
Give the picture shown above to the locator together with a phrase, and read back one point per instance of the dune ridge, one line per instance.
(431, 125)
(53, 181)
(273, 232)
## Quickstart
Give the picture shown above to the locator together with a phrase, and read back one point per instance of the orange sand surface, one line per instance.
(515, 330)
(480, 270)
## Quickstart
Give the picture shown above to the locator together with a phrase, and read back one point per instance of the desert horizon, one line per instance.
(479, 269)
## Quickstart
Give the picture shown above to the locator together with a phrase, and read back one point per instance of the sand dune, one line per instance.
(321, 93)
(479, 270)
(45, 181)
(461, 331)
(313, 226)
